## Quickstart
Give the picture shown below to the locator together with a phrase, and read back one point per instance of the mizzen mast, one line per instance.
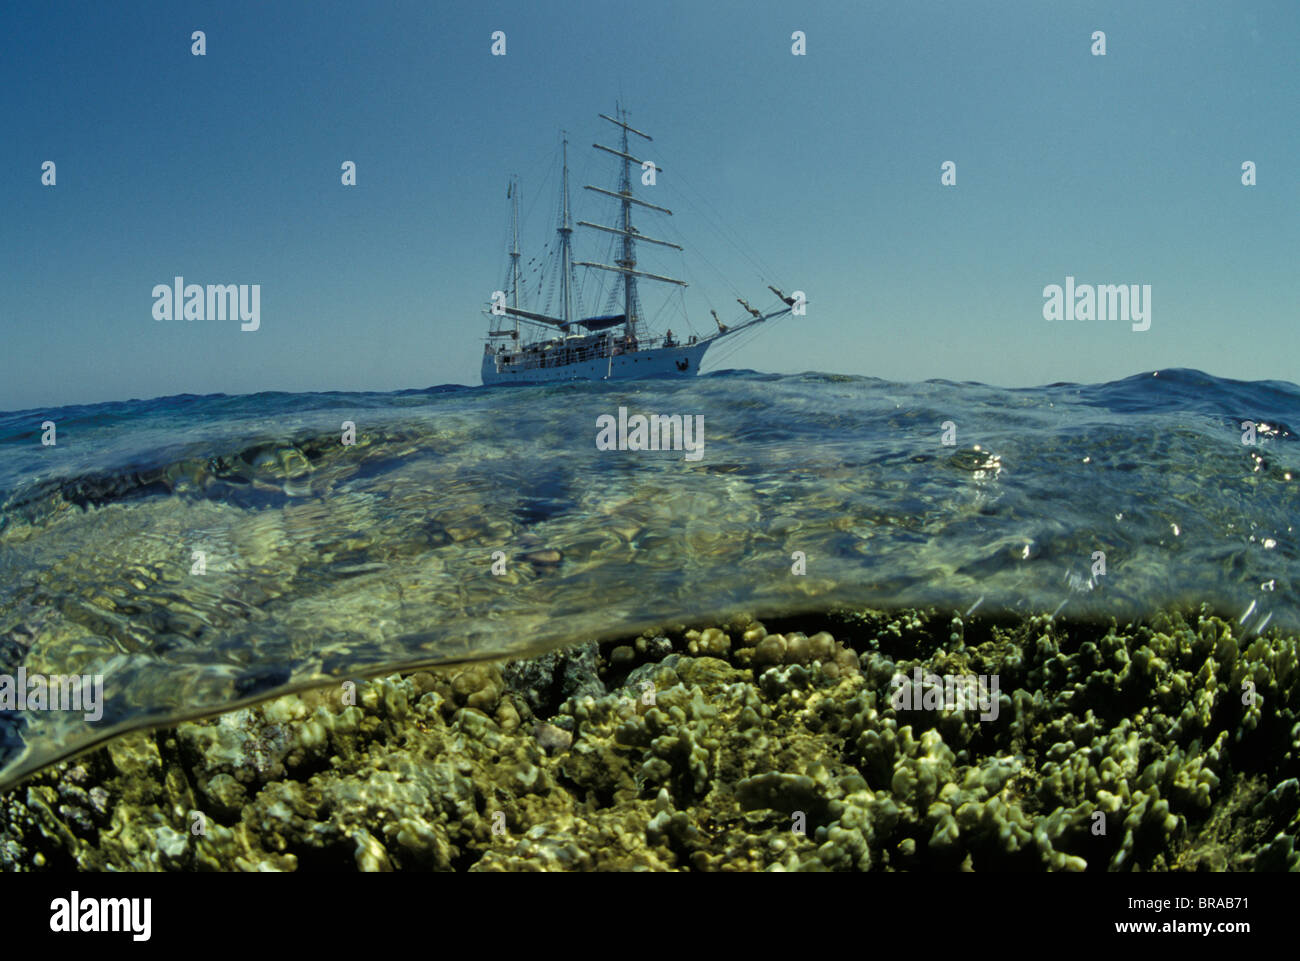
(496, 329)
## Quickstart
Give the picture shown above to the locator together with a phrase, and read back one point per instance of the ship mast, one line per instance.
(513, 194)
(626, 264)
(566, 257)
(565, 230)
(573, 359)
(629, 245)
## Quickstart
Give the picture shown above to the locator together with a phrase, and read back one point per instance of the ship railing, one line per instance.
(564, 356)
(654, 343)
(556, 357)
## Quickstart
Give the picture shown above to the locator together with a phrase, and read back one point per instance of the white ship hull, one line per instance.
(676, 361)
(558, 342)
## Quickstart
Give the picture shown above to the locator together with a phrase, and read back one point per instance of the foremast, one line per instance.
(626, 263)
(566, 252)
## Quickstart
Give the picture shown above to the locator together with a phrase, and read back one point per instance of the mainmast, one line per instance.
(513, 193)
(565, 230)
(626, 264)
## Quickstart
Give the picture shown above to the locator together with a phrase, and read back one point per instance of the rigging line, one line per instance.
(708, 301)
(741, 341)
(679, 261)
(579, 298)
(760, 268)
(681, 297)
(720, 275)
(599, 282)
(720, 359)
(672, 231)
(543, 189)
(734, 238)
(698, 287)
(699, 284)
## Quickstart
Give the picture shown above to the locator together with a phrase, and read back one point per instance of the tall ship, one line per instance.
(559, 343)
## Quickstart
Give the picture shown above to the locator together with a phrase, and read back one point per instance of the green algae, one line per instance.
(740, 747)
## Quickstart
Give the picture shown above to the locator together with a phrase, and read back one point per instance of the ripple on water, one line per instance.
(469, 524)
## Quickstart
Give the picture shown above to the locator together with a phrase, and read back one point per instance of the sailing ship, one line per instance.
(530, 346)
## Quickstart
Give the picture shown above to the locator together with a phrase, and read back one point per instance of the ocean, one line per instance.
(200, 553)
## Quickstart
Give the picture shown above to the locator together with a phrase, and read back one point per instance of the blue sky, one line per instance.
(225, 169)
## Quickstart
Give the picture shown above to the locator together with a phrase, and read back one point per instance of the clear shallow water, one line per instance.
(325, 560)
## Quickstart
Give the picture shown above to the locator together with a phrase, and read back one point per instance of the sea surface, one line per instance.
(203, 552)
